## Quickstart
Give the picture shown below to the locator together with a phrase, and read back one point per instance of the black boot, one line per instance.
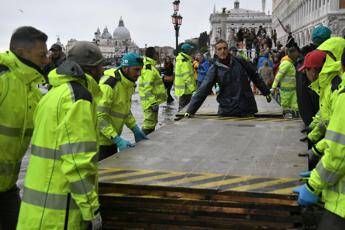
(170, 99)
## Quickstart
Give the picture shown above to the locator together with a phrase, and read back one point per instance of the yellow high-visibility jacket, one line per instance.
(328, 177)
(184, 75)
(323, 86)
(19, 95)
(286, 75)
(62, 172)
(151, 86)
(114, 109)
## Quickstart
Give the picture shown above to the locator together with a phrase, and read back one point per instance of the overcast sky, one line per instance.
(149, 21)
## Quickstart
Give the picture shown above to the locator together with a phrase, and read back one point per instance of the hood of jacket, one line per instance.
(328, 72)
(332, 66)
(71, 71)
(66, 72)
(334, 47)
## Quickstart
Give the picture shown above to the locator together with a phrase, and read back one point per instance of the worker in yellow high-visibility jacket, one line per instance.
(114, 109)
(151, 90)
(20, 74)
(61, 184)
(327, 180)
(185, 83)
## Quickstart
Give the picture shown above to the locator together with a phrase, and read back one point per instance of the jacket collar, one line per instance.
(226, 63)
(186, 56)
(24, 69)
(124, 79)
(287, 58)
(151, 61)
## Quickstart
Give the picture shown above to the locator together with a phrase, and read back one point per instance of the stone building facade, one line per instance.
(301, 16)
(225, 24)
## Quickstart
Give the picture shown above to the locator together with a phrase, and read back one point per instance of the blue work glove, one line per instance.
(138, 134)
(122, 144)
(154, 108)
(305, 196)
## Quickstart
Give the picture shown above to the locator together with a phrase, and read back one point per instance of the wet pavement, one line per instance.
(166, 116)
(266, 146)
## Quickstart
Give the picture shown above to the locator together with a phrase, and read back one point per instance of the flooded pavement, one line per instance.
(166, 116)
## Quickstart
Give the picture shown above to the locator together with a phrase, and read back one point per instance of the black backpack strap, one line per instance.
(148, 66)
(335, 83)
(111, 81)
(3, 69)
(80, 92)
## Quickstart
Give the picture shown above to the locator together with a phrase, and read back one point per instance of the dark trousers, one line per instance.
(183, 101)
(307, 99)
(168, 86)
(106, 151)
(331, 221)
(9, 208)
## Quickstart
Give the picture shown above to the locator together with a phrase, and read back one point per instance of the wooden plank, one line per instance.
(198, 194)
(111, 199)
(186, 220)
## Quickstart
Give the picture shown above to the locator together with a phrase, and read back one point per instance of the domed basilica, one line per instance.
(117, 44)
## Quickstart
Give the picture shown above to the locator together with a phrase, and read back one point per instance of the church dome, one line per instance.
(106, 34)
(121, 32)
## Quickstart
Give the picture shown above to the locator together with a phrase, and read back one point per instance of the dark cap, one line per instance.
(85, 54)
(314, 59)
(56, 47)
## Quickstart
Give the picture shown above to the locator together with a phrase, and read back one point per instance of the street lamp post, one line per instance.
(176, 20)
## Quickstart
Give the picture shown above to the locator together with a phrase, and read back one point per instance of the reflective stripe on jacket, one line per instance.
(151, 86)
(19, 95)
(329, 175)
(62, 172)
(184, 75)
(114, 109)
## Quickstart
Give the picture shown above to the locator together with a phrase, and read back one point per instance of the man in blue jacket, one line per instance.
(233, 75)
(203, 67)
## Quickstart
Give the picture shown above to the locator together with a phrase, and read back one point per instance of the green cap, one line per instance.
(187, 48)
(320, 34)
(131, 59)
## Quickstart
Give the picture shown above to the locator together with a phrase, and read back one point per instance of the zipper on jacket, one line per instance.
(67, 211)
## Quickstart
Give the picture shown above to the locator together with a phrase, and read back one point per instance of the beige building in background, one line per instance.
(301, 16)
(112, 45)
